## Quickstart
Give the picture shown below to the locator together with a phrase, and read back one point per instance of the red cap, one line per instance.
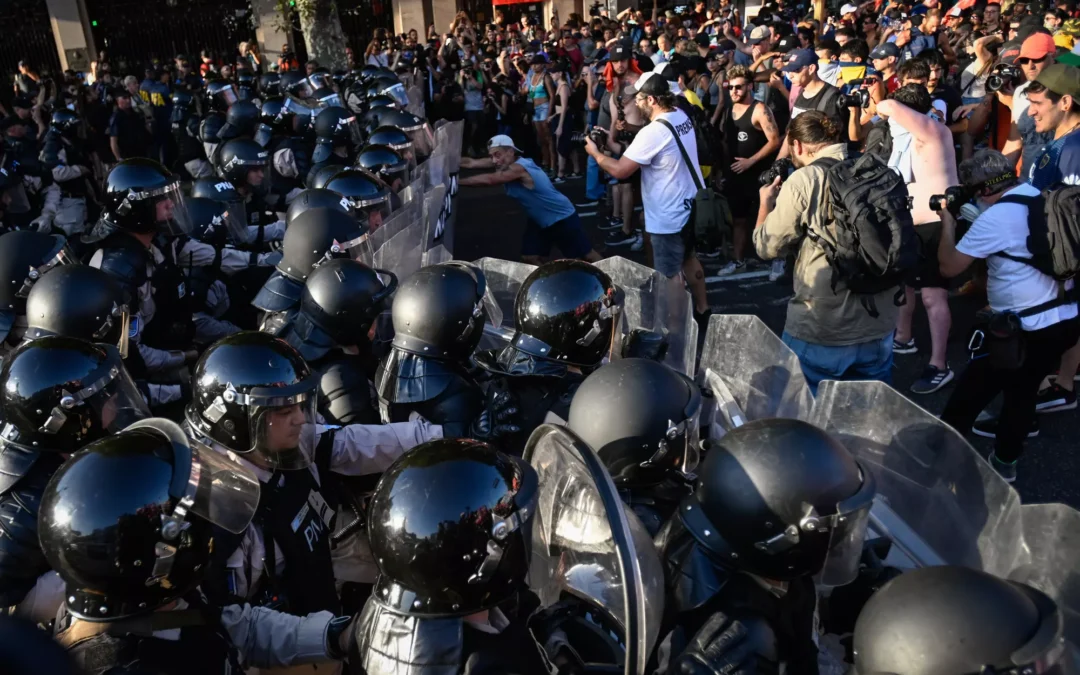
(1036, 46)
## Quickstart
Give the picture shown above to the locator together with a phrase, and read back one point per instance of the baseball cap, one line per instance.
(1037, 46)
(884, 51)
(620, 52)
(1008, 51)
(848, 9)
(799, 59)
(787, 43)
(502, 141)
(725, 46)
(653, 83)
(702, 40)
(1061, 79)
(758, 34)
(695, 63)
(1070, 59)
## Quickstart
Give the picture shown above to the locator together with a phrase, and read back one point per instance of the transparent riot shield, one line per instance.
(657, 304)
(587, 546)
(504, 278)
(438, 240)
(937, 500)
(751, 374)
(397, 246)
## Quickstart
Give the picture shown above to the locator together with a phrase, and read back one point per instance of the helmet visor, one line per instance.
(283, 428)
(847, 531)
(170, 213)
(62, 255)
(236, 222)
(321, 80)
(264, 133)
(423, 141)
(328, 98)
(303, 89)
(398, 93)
(227, 95)
(371, 214)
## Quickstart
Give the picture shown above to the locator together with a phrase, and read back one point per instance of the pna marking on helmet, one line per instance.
(223, 187)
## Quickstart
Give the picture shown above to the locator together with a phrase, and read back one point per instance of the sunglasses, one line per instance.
(733, 87)
(1025, 61)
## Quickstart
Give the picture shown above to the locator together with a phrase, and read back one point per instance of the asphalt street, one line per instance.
(491, 224)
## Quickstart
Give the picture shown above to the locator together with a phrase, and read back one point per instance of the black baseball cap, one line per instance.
(620, 52)
(884, 51)
(786, 44)
(702, 40)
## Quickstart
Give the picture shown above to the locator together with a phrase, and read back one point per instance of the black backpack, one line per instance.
(879, 140)
(1053, 231)
(876, 245)
(710, 142)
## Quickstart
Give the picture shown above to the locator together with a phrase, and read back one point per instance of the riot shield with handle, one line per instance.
(654, 303)
(504, 278)
(938, 501)
(750, 373)
(588, 548)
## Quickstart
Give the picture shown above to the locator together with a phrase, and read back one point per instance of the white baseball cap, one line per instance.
(502, 141)
(848, 9)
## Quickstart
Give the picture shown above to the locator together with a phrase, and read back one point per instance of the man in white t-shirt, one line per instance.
(667, 184)
(1012, 286)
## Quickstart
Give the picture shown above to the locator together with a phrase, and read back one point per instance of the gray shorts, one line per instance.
(670, 251)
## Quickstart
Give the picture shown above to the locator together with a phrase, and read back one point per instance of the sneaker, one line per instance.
(988, 428)
(1007, 470)
(612, 223)
(731, 268)
(1055, 398)
(904, 347)
(588, 203)
(639, 243)
(777, 270)
(558, 180)
(932, 379)
(710, 255)
(702, 319)
(620, 238)
(1054, 376)
(574, 176)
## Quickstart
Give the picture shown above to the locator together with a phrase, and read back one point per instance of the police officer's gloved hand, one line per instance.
(340, 637)
(498, 417)
(645, 344)
(727, 645)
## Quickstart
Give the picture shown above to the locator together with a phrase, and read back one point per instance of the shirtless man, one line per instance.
(626, 120)
(929, 166)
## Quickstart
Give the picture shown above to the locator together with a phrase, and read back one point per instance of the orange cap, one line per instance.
(1036, 46)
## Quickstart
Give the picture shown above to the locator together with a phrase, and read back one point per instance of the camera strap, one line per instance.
(686, 158)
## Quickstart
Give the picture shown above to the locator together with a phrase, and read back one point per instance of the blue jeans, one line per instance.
(864, 361)
(594, 189)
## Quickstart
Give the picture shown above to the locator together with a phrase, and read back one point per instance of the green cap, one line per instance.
(1061, 79)
(1069, 59)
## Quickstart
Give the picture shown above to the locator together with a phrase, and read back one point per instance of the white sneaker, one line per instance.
(777, 270)
(731, 268)
(639, 242)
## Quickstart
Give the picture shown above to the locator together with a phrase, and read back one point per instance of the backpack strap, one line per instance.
(1064, 297)
(686, 158)
(827, 102)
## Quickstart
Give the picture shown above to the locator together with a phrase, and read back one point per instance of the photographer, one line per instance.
(1014, 288)
(833, 335)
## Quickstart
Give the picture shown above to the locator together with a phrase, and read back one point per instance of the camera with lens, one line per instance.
(599, 136)
(781, 169)
(955, 196)
(1004, 77)
(858, 98)
(594, 10)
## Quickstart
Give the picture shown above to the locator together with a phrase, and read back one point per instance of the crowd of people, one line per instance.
(230, 440)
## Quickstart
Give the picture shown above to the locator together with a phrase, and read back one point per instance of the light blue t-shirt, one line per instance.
(543, 204)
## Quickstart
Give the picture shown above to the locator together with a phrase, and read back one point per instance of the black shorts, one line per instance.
(928, 272)
(742, 196)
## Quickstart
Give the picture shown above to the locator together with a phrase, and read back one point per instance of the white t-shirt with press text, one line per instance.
(667, 187)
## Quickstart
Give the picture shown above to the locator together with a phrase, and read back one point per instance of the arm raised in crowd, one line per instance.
(922, 127)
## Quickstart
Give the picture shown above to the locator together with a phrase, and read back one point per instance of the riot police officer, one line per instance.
(243, 163)
(641, 418)
(959, 620)
(286, 133)
(418, 130)
(25, 257)
(314, 236)
(340, 301)
(439, 318)
(337, 134)
(269, 85)
(68, 161)
(368, 196)
(220, 94)
(395, 139)
(56, 395)
(209, 291)
(185, 135)
(131, 563)
(387, 164)
(209, 130)
(255, 398)
(565, 318)
(450, 525)
(240, 120)
(777, 504)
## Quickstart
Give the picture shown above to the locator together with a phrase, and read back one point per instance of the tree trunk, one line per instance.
(322, 33)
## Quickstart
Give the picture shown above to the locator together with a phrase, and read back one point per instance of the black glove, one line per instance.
(727, 646)
(499, 414)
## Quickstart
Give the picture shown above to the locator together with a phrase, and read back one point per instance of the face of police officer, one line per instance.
(283, 426)
(255, 176)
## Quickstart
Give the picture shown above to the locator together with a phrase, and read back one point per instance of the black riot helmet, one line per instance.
(141, 195)
(387, 84)
(385, 162)
(392, 137)
(270, 84)
(340, 301)
(288, 79)
(781, 499)
(641, 418)
(182, 107)
(439, 311)
(321, 173)
(209, 134)
(317, 235)
(314, 198)
(60, 393)
(239, 156)
(254, 395)
(449, 526)
(274, 118)
(232, 210)
(418, 130)
(82, 302)
(245, 84)
(25, 257)
(220, 95)
(368, 196)
(126, 522)
(240, 121)
(339, 126)
(566, 311)
(956, 620)
(65, 122)
(208, 221)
